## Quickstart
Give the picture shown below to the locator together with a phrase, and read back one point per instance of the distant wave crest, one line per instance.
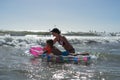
(24, 41)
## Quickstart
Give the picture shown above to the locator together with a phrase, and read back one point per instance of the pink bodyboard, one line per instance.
(36, 51)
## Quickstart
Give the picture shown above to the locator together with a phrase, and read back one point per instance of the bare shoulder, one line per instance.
(63, 37)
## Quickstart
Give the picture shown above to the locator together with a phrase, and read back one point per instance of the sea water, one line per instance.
(17, 64)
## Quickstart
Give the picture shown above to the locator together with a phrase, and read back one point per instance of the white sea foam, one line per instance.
(40, 40)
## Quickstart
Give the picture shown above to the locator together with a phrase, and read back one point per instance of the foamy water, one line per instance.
(16, 63)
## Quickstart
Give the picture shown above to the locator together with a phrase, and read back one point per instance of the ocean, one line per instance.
(17, 64)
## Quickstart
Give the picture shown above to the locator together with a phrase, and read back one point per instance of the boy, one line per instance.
(49, 48)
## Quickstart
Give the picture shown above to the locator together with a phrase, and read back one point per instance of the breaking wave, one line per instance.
(24, 41)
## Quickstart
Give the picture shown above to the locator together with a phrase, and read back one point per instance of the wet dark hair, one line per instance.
(55, 30)
(50, 42)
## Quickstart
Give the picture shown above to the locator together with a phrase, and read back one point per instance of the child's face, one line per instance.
(47, 44)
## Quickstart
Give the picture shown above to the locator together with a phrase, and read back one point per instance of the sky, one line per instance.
(67, 15)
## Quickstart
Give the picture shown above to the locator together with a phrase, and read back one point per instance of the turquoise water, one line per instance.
(16, 63)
